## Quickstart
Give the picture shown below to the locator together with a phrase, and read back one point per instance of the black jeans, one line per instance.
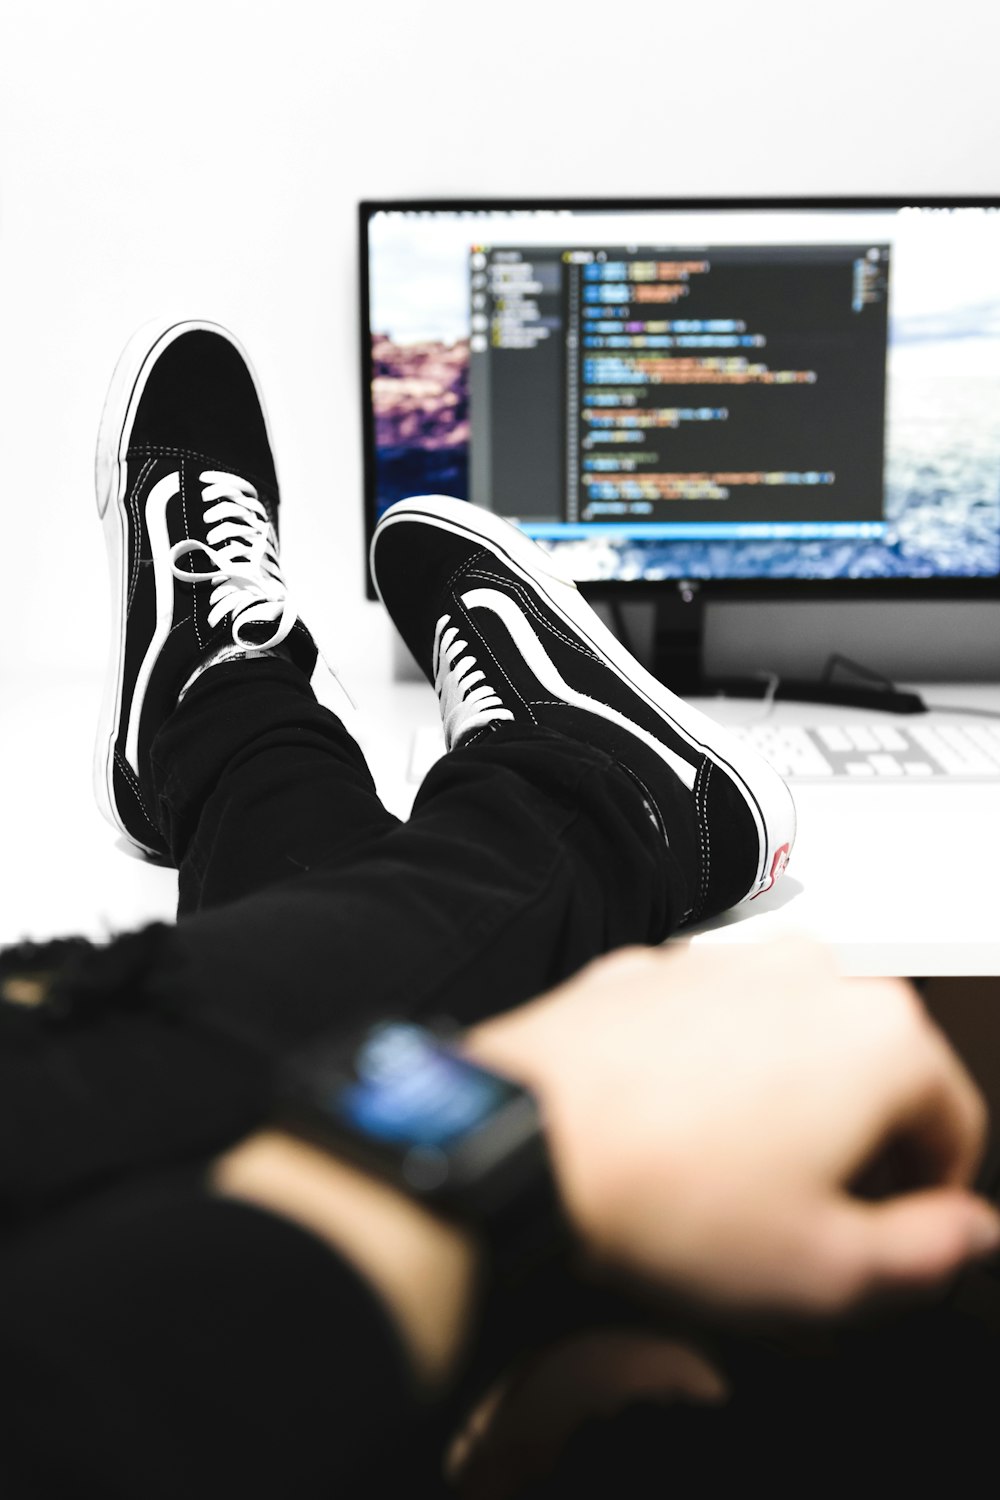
(305, 907)
(305, 903)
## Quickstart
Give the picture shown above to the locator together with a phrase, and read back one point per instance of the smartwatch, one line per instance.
(401, 1101)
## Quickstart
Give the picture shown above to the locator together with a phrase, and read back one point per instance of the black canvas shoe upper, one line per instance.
(199, 397)
(505, 638)
(191, 521)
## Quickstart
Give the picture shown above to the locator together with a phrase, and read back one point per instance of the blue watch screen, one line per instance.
(408, 1088)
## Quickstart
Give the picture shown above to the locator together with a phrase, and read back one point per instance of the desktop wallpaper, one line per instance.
(942, 469)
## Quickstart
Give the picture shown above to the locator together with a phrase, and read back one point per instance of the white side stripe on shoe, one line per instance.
(157, 501)
(544, 668)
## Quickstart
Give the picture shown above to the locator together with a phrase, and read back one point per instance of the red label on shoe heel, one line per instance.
(778, 865)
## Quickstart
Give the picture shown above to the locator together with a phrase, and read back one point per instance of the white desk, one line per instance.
(900, 879)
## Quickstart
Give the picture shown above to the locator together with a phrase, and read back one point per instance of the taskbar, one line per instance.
(704, 531)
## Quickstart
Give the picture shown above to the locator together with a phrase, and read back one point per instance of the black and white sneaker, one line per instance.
(188, 496)
(506, 637)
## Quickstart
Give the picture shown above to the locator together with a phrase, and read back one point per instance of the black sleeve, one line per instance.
(163, 1342)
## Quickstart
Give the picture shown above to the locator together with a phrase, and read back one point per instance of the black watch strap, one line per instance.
(525, 1229)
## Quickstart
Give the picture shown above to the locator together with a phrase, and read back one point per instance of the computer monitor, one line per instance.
(696, 399)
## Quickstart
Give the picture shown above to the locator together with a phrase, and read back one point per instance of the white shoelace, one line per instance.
(242, 548)
(466, 698)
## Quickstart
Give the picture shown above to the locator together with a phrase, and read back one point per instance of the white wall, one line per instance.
(204, 157)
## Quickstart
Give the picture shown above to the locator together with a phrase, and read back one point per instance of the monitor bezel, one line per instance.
(771, 589)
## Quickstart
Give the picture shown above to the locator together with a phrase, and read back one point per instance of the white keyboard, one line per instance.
(876, 751)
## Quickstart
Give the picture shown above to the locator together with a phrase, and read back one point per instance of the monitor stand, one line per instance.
(666, 637)
(678, 642)
(676, 658)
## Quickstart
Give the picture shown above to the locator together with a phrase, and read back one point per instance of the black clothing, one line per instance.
(165, 1343)
(526, 854)
(144, 1313)
(306, 906)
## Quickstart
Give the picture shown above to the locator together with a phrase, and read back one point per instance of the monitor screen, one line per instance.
(766, 391)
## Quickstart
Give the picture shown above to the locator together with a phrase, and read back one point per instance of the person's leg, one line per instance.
(251, 779)
(524, 857)
(581, 807)
(506, 638)
(571, 820)
(302, 901)
(254, 782)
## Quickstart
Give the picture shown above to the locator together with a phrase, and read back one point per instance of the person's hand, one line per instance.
(712, 1111)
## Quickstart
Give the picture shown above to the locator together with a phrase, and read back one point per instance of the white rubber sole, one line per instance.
(111, 483)
(768, 799)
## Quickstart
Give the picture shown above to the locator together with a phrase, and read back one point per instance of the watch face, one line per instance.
(407, 1105)
(406, 1088)
(400, 1101)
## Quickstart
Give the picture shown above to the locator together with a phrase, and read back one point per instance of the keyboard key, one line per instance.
(954, 764)
(884, 765)
(954, 735)
(987, 738)
(977, 764)
(833, 737)
(889, 738)
(925, 735)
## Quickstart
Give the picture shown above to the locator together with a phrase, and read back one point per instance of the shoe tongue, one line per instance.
(297, 647)
(257, 633)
